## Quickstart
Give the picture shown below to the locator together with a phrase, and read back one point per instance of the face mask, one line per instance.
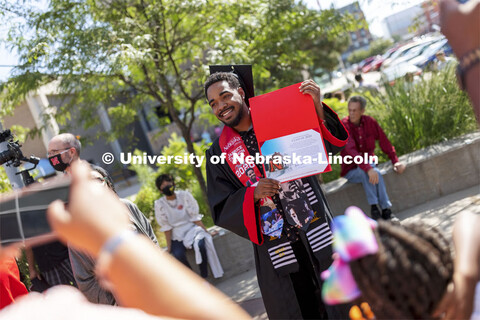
(168, 190)
(57, 162)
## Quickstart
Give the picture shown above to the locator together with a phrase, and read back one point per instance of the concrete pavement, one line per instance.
(439, 213)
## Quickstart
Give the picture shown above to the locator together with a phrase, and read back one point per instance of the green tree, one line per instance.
(156, 51)
(289, 41)
(425, 113)
(4, 182)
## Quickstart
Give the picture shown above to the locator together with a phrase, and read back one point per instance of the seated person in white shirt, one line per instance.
(176, 213)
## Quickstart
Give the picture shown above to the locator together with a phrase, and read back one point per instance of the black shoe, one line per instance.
(375, 213)
(388, 215)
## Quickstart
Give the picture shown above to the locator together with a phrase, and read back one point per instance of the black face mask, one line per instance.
(57, 163)
(168, 190)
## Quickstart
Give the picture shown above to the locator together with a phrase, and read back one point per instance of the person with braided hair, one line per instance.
(419, 266)
(401, 270)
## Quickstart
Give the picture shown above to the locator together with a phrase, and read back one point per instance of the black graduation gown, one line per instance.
(227, 197)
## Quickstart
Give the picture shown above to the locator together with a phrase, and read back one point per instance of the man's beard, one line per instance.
(235, 121)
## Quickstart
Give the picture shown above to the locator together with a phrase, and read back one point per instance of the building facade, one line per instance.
(414, 21)
(361, 38)
(146, 134)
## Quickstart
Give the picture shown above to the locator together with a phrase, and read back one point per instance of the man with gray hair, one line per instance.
(52, 259)
(363, 131)
(62, 150)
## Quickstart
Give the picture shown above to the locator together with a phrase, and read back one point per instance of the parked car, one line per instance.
(400, 70)
(428, 56)
(368, 67)
(413, 52)
(377, 63)
(405, 49)
(365, 62)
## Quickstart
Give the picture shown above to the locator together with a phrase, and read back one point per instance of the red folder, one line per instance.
(283, 112)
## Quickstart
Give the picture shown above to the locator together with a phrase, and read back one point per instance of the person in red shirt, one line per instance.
(10, 285)
(363, 131)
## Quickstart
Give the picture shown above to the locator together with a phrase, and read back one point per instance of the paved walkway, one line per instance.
(439, 213)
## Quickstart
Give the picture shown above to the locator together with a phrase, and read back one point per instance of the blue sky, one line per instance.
(374, 10)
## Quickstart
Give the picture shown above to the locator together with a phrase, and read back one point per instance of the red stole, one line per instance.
(231, 143)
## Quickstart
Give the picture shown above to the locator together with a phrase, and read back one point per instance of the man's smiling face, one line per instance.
(251, 174)
(227, 103)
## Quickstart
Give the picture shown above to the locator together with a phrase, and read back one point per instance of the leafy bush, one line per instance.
(144, 200)
(4, 182)
(341, 108)
(428, 112)
(358, 55)
(415, 116)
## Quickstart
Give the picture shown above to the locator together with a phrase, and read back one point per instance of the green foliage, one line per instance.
(290, 39)
(358, 55)
(126, 54)
(4, 182)
(378, 46)
(20, 133)
(183, 173)
(428, 112)
(158, 51)
(23, 269)
(341, 108)
(144, 200)
(419, 115)
(396, 38)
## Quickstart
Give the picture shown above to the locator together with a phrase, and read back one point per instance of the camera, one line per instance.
(23, 211)
(13, 156)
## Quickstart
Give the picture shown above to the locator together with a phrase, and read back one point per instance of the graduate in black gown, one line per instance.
(288, 261)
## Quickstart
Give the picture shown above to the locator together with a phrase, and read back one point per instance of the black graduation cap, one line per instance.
(244, 75)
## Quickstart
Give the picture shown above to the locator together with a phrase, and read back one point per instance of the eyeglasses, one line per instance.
(54, 152)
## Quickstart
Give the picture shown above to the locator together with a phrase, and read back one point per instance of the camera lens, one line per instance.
(6, 156)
